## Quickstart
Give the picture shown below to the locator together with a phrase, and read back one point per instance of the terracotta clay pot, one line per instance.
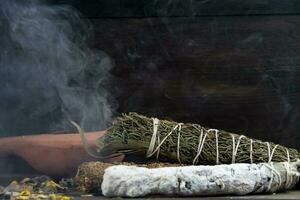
(52, 154)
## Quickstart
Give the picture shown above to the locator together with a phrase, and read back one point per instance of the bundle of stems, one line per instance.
(269, 178)
(187, 143)
(89, 175)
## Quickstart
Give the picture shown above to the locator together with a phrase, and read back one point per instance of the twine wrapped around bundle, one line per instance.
(187, 143)
(212, 180)
(203, 180)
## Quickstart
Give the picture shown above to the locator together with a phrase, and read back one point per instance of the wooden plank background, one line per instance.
(181, 8)
(239, 73)
(226, 64)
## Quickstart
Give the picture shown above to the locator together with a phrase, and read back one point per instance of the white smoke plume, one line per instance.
(48, 75)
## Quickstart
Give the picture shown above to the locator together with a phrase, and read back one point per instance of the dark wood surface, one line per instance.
(224, 64)
(288, 196)
(239, 73)
(180, 8)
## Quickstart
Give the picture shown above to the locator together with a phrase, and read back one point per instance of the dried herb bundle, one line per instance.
(187, 143)
(89, 176)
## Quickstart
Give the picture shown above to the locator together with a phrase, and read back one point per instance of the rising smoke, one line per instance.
(48, 75)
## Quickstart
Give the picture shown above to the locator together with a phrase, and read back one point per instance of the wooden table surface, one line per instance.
(288, 195)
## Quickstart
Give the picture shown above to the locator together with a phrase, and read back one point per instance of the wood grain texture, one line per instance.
(181, 8)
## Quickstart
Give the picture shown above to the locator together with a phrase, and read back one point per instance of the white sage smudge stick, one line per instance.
(234, 179)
